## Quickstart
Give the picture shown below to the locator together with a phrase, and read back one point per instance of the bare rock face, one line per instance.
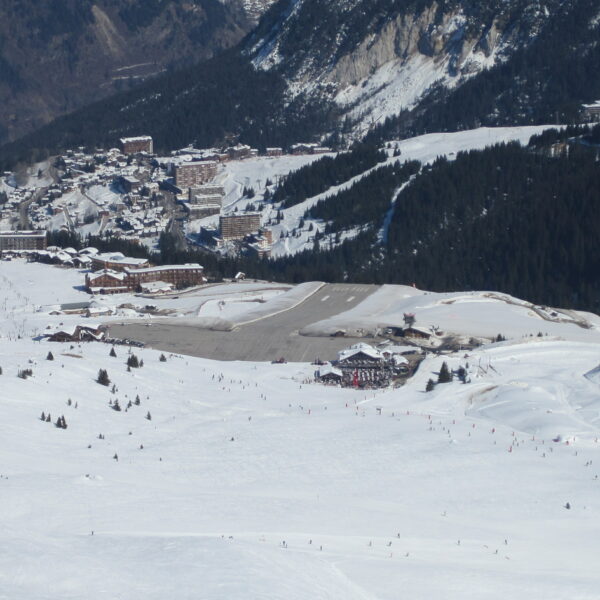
(57, 56)
(374, 57)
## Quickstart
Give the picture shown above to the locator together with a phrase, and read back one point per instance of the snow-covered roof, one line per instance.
(329, 370)
(393, 349)
(358, 348)
(109, 273)
(156, 286)
(139, 138)
(119, 257)
(186, 267)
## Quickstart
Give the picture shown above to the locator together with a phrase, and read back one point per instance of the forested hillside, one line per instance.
(442, 66)
(223, 98)
(56, 56)
(545, 82)
(506, 218)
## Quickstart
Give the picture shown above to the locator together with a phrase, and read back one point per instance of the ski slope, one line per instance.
(249, 481)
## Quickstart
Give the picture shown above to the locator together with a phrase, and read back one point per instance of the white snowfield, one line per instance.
(467, 314)
(248, 482)
(30, 292)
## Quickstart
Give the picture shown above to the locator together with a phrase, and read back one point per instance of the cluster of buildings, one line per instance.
(144, 279)
(129, 192)
(364, 366)
(109, 272)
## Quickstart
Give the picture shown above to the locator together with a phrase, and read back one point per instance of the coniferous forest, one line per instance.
(507, 218)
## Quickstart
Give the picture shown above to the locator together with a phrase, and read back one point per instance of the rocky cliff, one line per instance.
(374, 58)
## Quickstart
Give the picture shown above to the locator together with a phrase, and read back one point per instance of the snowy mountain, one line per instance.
(373, 58)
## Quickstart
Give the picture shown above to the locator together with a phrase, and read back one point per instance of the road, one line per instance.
(264, 340)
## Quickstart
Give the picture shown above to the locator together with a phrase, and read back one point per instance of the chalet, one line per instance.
(78, 333)
(107, 281)
(330, 375)
(360, 354)
(592, 111)
(416, 332)
(364, 366)
(116, 261)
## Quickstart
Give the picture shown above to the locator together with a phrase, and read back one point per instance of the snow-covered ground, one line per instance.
(250, 481)
(30, 292)
(469, 314)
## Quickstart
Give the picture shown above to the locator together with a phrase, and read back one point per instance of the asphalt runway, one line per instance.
(264, 340)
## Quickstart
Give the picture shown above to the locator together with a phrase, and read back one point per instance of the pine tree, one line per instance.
(149, 416)
(133, 362)
(430, 386)
(50, 356)
(116, 406)
(43, 417)
(103, 378)
(137, 400)
(444, 376)
(163, 358)
(48, 418)
(112, 352)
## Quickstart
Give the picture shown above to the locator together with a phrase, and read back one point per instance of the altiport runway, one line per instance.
(269, 339)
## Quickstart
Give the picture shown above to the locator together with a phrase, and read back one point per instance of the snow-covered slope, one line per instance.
(256, 172)
(250, 481)
(373, 59)
(477, 314)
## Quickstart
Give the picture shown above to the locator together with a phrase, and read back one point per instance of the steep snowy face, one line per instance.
(253, 8)
(377, 57)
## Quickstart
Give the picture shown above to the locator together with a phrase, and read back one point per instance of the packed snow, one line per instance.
(247, 480)
(467, 314)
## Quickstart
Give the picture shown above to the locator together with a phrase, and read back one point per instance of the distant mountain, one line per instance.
(338, 71)
(58, 55)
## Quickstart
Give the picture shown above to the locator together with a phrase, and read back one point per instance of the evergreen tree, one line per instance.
(149, 416)
(444, 375)
(163, 358)
(133, 361)
(49, 356)
(103, 378)
(430, 385)
(112, 352)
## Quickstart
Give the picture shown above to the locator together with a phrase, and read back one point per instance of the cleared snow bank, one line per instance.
(473, 314)
(274, 306)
